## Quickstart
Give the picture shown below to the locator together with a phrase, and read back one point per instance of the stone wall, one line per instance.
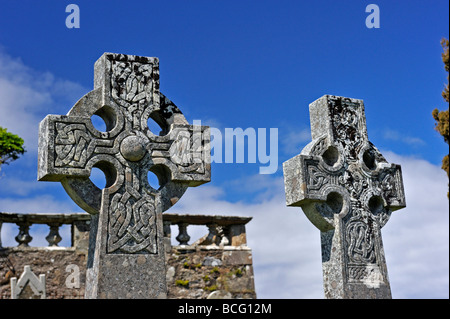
(198, 273)
(218, 265)
(43, 260)
(192, 272)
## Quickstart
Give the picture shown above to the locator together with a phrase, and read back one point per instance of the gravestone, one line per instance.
(348, 190)
(126, 257)
(29, 286)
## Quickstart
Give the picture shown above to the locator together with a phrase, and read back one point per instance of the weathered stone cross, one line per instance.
(347, 190)
(126, 254)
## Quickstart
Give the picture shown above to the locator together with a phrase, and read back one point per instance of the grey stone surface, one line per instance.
(348, 190)
(126, 252)
(211, 261)
(237, 257)
(219, 294)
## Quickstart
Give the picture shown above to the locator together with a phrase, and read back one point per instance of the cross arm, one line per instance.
(66, 144)
(309, 186)
(306, 179)
(188, 157)
(294, 181)
(390, 182)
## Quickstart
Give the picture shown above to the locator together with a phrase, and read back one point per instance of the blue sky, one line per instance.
(251, 64)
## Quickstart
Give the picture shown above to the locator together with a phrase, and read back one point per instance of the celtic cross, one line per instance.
(126, 255)
(348, 190)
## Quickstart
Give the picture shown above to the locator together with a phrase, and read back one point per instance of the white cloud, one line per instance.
(281, 239)
(416, 239)
(392, 135)
(38, 234)
(18, 186)
(39, 204)
(286, 246)
(26, 96)
(16, 113)
(47, 204)
(293, 140)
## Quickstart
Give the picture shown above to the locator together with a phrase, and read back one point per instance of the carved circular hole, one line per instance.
(154, 127)
(153, 180)
(104, 119)
(158, 176)
(369, 159)
(157, 125)
(331, 156)
(335, 202)
(98, 177)
(103, 174)
(376, 204)
(98, 123)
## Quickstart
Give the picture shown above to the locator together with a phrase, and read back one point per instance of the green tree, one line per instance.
(11, 147)
(441, 117)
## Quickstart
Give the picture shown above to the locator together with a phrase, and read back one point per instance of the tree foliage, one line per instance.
(441, 117)
(11, 146)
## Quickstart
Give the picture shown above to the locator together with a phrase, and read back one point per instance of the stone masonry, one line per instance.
(215, 266)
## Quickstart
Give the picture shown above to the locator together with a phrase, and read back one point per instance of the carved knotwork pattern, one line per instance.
(317, 178)
(75, 144)
(132, 87)
(357, 273)
(346, 125)
(360, 238)
(187, 152)
(71, 145)
(354, 181)
(320, 146)
(359, 223)
(131, 82)
(387, 182)
(132, 224)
